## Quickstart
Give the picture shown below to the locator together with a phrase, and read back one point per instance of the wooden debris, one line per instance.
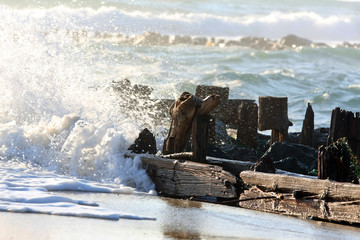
(233, 166)
(199, 137)
(334, 162)
(202, 92)
(287, 204)
(326, 188)
(307, 132)
(227, 110)
(178, 178)
(247, 128)
(301, 197)
(345, 124)
(183, 112)
(273, 115)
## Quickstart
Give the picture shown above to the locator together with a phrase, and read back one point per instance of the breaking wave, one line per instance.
(275, 24)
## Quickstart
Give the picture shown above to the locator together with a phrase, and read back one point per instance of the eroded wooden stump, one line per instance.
(248, 120)
(202, 91)
(334, 162)
(345, 124)
(189, 114)
(182, 113)
(307, 132)
(273, 115)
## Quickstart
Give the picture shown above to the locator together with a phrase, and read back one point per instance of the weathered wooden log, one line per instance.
(178, 178)
(305, 207)
(183, 111)
(247, 128)
(326, 188)
(233, 166)
(273, 115)
(345, 124)
(307, 132)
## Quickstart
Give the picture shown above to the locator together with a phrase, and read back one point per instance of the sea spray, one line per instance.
(58, 113)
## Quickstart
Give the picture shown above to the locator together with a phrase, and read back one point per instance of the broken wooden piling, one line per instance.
(189, 115)
(307, 132)
(345, 124)
(273, 115)
(247, 126)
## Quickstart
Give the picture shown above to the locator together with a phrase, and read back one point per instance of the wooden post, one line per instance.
(307, 132)
(202, 92)
(334, 162)
(199, 137)
(345, 124)
(247, 128)
(200, 127)
(183, 112)
(273, 115)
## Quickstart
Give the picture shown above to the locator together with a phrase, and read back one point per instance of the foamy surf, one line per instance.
(65, 148)
(27, 190)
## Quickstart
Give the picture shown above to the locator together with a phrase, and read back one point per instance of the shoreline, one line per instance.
(176, 219)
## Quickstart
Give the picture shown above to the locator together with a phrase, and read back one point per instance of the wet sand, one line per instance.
(175, 219)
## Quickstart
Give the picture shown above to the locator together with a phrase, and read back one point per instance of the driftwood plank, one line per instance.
(233, 166)
(179, 178)
(303, 208)
(326, 188)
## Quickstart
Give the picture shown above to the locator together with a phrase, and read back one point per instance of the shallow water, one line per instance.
(175, 219)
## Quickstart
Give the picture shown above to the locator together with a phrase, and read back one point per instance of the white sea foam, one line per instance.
(57, 116)
(76, 148)
(25, 189)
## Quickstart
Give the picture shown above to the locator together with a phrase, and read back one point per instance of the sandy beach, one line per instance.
(175, 219)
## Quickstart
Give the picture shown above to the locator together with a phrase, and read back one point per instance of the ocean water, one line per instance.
(60, 116)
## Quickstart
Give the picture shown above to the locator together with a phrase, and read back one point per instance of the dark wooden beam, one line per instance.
(179, 178)
(326, 188)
